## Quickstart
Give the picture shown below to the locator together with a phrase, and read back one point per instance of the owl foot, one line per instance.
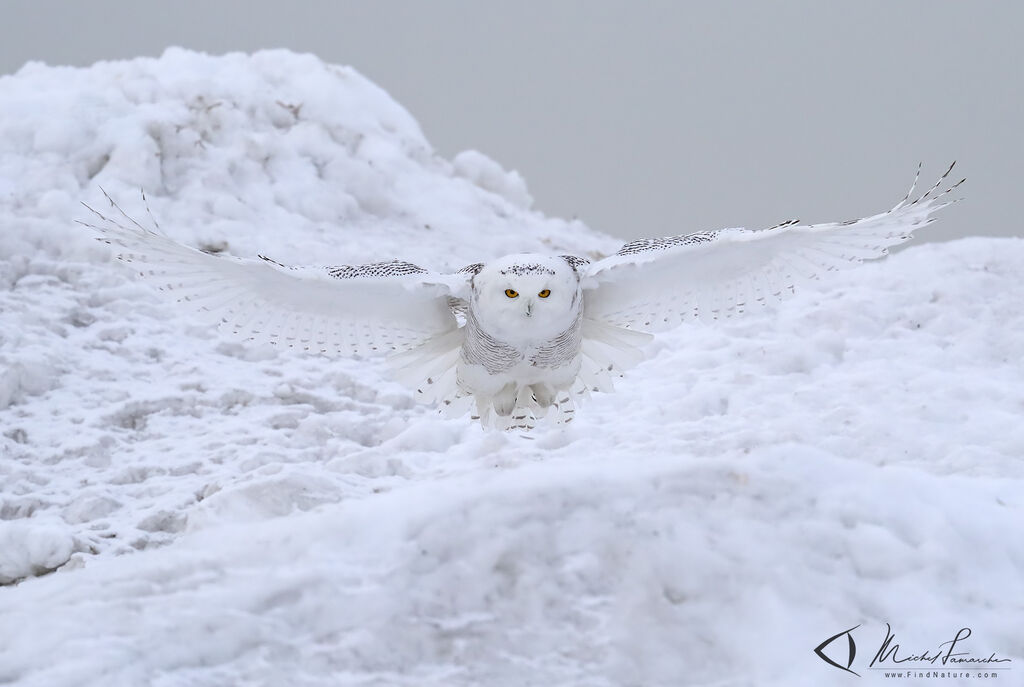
(543, 394)
(505, 400)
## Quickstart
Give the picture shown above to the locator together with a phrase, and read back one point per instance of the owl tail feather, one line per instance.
(430, 368)
(608, 351)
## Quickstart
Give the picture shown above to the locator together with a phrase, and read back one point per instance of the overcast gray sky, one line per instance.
(645, 118)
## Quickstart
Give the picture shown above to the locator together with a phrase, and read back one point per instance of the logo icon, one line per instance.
(851, 650)
(950, 657)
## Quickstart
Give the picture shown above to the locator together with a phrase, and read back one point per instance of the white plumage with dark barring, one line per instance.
(511, 340)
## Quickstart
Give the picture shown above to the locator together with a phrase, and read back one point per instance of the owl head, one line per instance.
(526, 297)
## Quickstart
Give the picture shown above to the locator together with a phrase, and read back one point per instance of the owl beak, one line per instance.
(529, 308)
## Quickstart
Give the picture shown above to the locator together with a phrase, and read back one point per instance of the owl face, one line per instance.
(526, 297)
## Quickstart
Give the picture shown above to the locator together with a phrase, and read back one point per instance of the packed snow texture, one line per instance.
(219, 514)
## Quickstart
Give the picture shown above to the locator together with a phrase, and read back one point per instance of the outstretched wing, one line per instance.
(364, 309)
(654, 284)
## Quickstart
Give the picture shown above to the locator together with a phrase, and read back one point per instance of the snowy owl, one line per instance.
(514, 339)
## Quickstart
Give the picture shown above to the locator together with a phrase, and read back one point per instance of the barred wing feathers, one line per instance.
(364, 309)
(655, 284)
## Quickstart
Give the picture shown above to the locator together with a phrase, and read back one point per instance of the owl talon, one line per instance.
(505, 400)
(543, 394)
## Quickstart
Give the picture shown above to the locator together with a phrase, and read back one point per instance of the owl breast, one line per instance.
(488, 366)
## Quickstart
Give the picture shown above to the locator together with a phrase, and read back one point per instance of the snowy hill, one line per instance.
(221, 515)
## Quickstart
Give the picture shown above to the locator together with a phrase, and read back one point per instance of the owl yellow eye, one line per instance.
(545, 293)
(511, 293)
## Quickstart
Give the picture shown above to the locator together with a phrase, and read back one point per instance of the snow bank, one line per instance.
(488, 174)
(30, 548)
(276, 152)
(247, 516)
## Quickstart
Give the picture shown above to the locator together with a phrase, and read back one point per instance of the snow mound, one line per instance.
(29, 548)
(222, 514)
(489, 175)
(274, 152)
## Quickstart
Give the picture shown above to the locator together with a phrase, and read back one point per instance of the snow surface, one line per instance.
(224, 515)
